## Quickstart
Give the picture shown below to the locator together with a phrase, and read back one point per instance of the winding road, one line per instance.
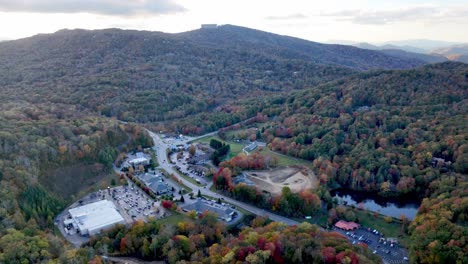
(161, 147)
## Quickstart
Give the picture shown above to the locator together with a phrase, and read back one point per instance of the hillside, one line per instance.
(455, 53)
(404, 52)
(240, 38)
(376, 124)
(123, 73)
(145, 76)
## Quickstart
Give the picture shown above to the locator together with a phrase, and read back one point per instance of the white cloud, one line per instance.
(410, 14)
(287, 17)
(103, 7)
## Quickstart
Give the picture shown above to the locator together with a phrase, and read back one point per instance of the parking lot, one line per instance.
(389, 252)
(188, 170)
(135, 204)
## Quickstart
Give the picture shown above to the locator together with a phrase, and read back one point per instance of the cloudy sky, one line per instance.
(355, 20)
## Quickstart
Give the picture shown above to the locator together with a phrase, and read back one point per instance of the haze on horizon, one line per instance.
(354, 20)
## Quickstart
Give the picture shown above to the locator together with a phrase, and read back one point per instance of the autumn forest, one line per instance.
(361, 120)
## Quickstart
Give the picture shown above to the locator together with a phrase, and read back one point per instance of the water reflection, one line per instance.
(394, 207)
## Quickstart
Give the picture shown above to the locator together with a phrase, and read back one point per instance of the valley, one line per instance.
(286, 124)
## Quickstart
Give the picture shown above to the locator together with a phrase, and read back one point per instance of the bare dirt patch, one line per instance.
(272, 181)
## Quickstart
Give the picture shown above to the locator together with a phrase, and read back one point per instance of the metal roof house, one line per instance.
(139, 161)
(159, 188)
(251, 147)
(90, 219)
(200, 206)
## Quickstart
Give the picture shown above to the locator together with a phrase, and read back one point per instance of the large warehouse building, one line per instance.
(90, 219)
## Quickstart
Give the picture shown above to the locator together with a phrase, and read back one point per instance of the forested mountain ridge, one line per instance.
(235, 37)
(145, 76)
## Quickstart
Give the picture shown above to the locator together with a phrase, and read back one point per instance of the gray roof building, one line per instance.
(160, 188)
(201, 206)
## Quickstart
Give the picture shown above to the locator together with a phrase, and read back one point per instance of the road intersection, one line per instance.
(161, 150)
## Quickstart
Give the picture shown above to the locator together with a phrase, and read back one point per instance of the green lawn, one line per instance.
(394, 229)
(235, 148)
(284, 160)
(175, 218)
(319, 219)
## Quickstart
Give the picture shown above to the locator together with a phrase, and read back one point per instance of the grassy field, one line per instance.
(393, 229)
(235, 148)
(284, 160)
(233, 133)
(175, 218)
(319, 219)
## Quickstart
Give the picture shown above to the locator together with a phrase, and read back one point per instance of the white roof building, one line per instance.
(138, 161)
(90, 219)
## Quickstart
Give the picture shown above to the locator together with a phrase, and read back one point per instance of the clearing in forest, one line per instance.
(297, 178)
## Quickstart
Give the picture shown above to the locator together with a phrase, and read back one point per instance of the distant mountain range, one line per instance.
(365, 45)
(423, 44)
(415, 45)
(456, 52)
(430, 51)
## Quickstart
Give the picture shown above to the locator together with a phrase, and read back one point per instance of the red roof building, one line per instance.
(346, 225)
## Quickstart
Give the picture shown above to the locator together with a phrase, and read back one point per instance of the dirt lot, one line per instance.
(272, 181)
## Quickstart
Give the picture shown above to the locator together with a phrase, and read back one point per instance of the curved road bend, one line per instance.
(160, 148)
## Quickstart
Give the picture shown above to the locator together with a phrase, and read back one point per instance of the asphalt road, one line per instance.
(161, 147)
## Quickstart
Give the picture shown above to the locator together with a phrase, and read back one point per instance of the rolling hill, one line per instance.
(455, 52)
(240, 38)
(405, 52)
(153, 76)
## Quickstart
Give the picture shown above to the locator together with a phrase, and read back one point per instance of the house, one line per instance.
(160, 188)
(139, 161)
(91, 218)
(347, 226)
(209, 26)
(251, 147)
(200, 206)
